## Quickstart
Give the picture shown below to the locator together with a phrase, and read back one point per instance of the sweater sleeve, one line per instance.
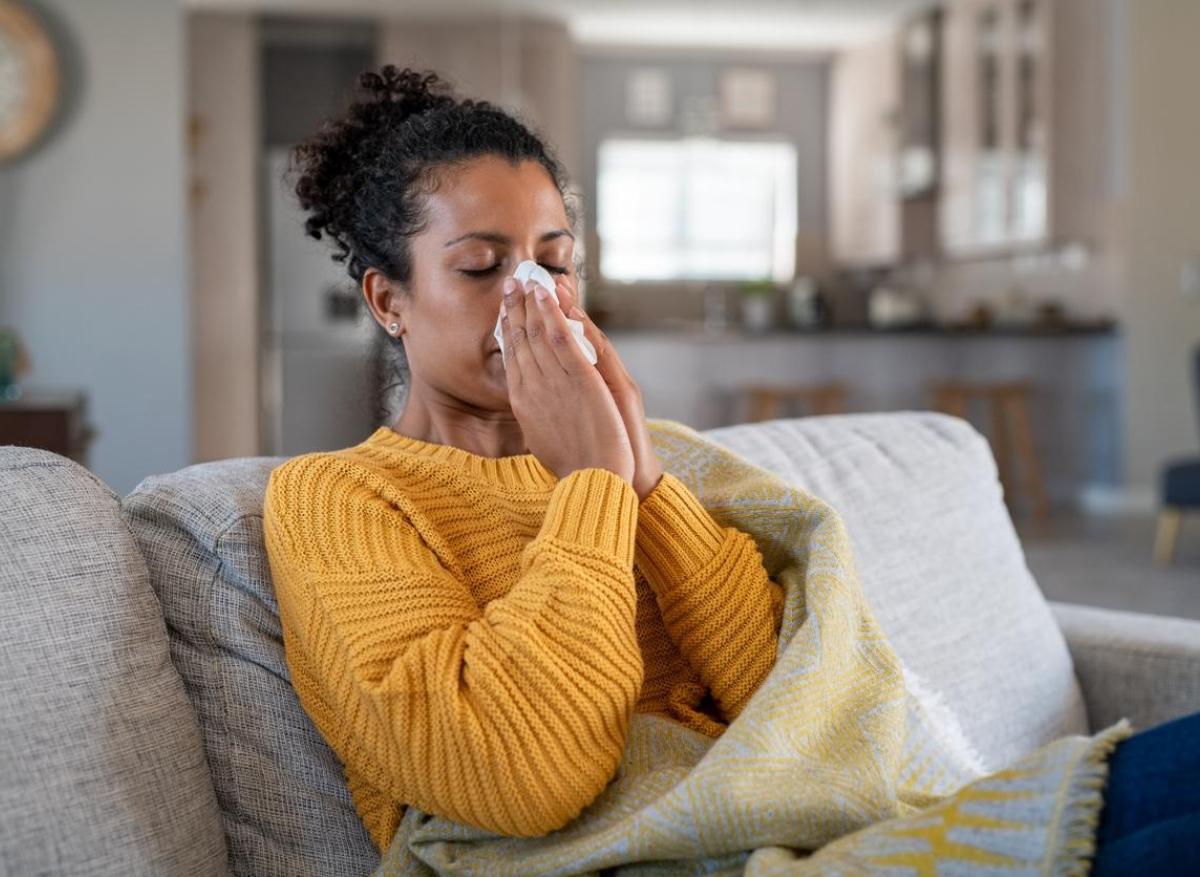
(510, 717)
(717, 601)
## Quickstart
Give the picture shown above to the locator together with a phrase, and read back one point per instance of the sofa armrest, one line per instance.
(1142, 667)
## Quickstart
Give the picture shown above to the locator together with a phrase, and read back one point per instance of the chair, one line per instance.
(1179, 489)
(768, 402)
(1008, 406)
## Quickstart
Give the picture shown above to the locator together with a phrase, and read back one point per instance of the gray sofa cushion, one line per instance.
(281, 789)
(940, 562)
(101, 767)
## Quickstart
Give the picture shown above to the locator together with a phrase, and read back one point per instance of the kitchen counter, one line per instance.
(699, 378)
(697, 331)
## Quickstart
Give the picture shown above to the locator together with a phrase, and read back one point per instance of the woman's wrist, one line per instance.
(645, 486)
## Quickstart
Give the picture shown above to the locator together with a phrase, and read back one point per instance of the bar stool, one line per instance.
(767, 402)
(1009, 413)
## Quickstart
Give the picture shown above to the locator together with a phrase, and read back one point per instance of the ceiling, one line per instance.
(788, 25)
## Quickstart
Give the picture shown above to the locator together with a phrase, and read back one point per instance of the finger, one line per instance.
(538, 310)
(607, 361)
(590, 330)
(559, 338)
(511, 366)
(565, 288)
(518, 328)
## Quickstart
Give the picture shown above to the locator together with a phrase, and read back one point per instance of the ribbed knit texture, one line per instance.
(471, 635)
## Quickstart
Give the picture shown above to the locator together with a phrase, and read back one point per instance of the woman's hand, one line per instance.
(567, 415)
(626, 393)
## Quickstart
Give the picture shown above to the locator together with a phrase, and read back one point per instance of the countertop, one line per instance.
(690, 328)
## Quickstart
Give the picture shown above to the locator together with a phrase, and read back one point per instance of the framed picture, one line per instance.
(747, 98)
(648, 96)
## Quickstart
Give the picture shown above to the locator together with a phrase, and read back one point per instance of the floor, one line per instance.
(1105, 561)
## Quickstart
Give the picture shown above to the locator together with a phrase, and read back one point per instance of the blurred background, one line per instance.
(984, 207)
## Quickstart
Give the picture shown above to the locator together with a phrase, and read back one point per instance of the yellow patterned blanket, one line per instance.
(837, 765)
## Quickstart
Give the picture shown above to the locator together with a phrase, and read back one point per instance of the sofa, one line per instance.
(148, 726)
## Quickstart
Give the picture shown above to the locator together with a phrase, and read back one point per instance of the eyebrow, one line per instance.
(496, 237)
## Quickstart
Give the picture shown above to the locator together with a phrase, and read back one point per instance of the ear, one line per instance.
(383, 299)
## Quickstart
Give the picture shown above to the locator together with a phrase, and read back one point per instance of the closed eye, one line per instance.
(483, 272)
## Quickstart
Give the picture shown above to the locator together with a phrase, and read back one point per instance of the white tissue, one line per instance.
(530, 269)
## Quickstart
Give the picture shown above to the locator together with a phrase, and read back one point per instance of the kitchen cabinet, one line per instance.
(864, 141)
(1009, 152)
(1022, 125)
(884, 146)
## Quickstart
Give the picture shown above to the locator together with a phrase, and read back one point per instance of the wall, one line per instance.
(93, 253)
(223, 112)
(1162, 232)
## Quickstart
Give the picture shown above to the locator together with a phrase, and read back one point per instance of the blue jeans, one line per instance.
(1150, 823)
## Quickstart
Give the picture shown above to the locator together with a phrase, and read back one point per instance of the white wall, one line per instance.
(93, 269)
(1162, 230)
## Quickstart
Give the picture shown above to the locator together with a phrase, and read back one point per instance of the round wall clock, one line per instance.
(29, 79)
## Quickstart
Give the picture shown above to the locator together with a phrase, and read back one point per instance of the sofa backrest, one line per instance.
(940, 562)
(934, 545)
(101, 765)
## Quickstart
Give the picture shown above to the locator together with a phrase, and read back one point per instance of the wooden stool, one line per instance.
(1009, 413)
(1166, 532)
(769, 402)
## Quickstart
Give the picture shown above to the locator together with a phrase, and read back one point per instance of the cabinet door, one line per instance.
(959, 130)
(995, 132)
(1028, 186)
(864, 153)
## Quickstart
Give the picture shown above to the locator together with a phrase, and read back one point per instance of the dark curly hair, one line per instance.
(363, 177)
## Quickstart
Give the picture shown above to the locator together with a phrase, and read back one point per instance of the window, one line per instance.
(696, 209)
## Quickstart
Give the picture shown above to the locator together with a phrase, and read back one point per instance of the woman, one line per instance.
(476, 598)
(511, 503)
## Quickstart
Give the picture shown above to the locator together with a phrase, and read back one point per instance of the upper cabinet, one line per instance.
(977, 128)
(995, 144)
(864, 142)
(1022, 125)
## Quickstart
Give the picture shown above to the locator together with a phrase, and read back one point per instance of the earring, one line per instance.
(393, 327)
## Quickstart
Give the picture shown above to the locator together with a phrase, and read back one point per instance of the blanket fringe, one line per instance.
(1085, 797)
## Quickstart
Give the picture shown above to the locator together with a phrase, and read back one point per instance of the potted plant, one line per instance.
(758, 304)
(14, 362)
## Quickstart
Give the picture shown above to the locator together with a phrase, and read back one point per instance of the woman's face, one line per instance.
(486, 217)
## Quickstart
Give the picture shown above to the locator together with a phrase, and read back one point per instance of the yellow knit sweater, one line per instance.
(472, 634)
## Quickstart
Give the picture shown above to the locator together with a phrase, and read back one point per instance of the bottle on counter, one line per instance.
(807, 306)
(716, 309)
(757, 305)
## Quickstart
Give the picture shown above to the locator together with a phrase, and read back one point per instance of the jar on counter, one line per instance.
(806, 306)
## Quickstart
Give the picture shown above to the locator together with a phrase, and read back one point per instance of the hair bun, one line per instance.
(414, 90)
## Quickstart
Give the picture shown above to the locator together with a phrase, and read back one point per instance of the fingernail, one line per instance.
(539, 292)
(503, 310)
(509, 285)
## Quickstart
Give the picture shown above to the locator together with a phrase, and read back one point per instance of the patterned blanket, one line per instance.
(839, 764)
